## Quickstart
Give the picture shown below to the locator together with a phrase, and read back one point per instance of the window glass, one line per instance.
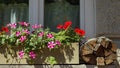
(58, 11)
(12, 11)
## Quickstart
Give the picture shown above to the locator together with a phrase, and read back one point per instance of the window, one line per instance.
(59, 11)
(12, 11)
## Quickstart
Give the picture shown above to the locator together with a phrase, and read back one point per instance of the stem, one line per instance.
(65, 30)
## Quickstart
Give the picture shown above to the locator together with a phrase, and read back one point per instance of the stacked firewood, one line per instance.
(99, 51)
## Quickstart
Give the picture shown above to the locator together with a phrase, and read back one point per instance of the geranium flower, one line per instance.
(21, 54)
(12, 25)
(18, 33)
(59, 26)
(41, 34)
(58, 42)
(24, 24)
(79, 31)
(35, 26)
(22, 38)
(26, 31)
(5, 29)
(32, 55)
(49, 35)
(67, 24)
(51, 44)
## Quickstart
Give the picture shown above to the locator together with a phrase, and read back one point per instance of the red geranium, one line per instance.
(79, 31)
(59, 26)
(67, 24)
(5, 29)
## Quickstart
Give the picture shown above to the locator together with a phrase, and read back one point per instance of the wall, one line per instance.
(108, 19)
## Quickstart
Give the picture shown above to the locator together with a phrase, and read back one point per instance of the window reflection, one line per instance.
(59, 11)
(12, 11)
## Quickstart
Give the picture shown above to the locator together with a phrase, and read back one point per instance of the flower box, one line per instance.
(69, 55)
(19, 45)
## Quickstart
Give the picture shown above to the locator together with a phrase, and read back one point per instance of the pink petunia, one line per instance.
(22, 38)
(58, 43)
(18, 33)
(26, 31)
(51, 44)
(21, 54)
(12, 25)
(41, 34)
(49, 35)
(32, 55)
(35, 26)
(24, 24)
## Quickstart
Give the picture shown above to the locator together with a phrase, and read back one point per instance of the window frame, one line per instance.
(36, 11)
(87, 15)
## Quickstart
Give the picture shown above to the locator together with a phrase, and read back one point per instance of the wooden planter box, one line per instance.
(68, 55)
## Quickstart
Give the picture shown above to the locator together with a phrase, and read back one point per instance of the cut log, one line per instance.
(86, 50)
(100, 61)
(92, 58)
(99, 51)
(108, 61)
(113, 47)
(107, 53)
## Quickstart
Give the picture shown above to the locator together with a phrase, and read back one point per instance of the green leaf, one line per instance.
(39, 38)
(51, 60)
(36, 42)
(3, 41)
(31, 44)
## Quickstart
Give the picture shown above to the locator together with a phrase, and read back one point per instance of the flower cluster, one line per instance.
(65, 26)
(19, 34)
(72, 35)
(68, 24)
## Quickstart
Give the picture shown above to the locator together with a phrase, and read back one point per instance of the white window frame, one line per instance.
(36, 11)
(87, 15)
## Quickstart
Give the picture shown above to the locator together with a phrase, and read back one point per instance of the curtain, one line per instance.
(60, 11)
(13, 13)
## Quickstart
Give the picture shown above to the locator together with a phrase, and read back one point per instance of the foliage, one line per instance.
(31, 42)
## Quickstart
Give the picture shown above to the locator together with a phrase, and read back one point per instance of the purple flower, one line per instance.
(24, 24)
(49, 35)
(51, 44)
(22, 38)
(41, 34)
(18, 33)
(12, 25)
(32, 55)
(26, 31)
(21, 54)
(35, 26)
(58, 43)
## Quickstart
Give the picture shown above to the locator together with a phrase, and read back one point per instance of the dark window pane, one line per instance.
(14, 1)
(58, 11)
(12, 11)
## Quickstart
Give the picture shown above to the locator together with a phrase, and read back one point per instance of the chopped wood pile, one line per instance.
(99, 51)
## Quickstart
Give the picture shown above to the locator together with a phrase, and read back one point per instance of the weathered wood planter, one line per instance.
(68, 55)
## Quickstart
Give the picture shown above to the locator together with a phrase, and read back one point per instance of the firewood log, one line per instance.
(100, 61)
(99, 51)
